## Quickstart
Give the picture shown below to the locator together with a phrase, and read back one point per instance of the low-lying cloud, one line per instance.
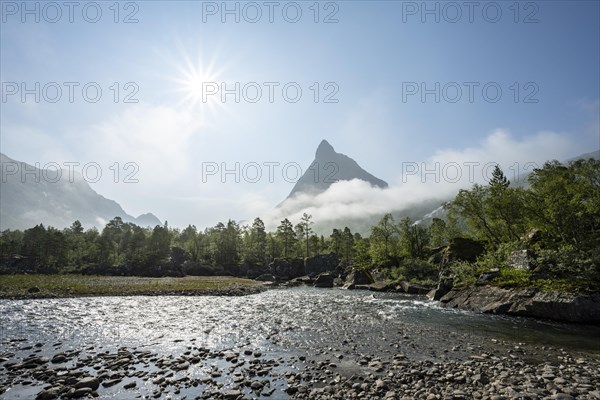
(437, 178)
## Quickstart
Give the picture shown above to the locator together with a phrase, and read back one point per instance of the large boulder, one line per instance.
(440, 291)
(465, 249)
(413, 288)
(357, 277)
(252, 271)
(459, 249)
(529, 302)
(321, 263)
(324, 280)
(286, 269)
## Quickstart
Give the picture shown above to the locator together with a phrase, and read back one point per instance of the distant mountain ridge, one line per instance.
(26, 202)
(329, 167)
(522, 180)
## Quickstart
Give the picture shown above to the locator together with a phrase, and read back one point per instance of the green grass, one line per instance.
(510, 277)
(89, 285)
(513, 278)
(566, 285)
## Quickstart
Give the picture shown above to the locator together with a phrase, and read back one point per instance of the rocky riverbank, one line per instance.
(528, 302)
(195, 372)
(300, 342)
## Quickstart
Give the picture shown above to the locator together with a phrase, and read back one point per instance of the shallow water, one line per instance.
(276, 320)
(292, 329)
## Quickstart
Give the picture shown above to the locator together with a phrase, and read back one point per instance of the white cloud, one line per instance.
(154, 137)
(437, 178)
(159, 141)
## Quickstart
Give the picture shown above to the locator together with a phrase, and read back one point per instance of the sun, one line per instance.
(193, 80)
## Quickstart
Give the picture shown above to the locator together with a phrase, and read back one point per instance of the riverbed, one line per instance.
(297, 342)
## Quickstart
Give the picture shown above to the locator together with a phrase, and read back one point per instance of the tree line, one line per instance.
(561, 204)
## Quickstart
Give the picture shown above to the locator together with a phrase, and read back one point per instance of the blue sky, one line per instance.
(373, 55)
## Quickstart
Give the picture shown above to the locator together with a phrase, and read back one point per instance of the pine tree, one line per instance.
(306, 223)
(285, 233)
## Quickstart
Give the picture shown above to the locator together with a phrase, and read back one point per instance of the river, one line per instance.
(282, 324)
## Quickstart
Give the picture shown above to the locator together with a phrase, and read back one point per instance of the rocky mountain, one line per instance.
(318, 178)
(34, 197)
(329, 167)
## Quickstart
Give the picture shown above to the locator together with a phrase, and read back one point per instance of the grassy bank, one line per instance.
(20, 286)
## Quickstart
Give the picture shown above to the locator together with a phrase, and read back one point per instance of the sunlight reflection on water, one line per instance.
(291, 317)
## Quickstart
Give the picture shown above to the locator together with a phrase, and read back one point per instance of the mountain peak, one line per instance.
(329, 167)
(324, 149)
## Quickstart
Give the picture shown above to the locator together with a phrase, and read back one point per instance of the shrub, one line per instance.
(569, 262)
(465, 273)
(511, 277)
(194, 268)
(497, 258)
(414, 270)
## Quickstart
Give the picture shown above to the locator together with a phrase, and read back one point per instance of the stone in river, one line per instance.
(111, 382)
(256, 385)
(82, 391)
(49, 394)
(130, 385)
(232, 394)
(59, 358)
(88, 382)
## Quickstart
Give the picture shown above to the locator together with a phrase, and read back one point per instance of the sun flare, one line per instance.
(195, 82)
(192, 80)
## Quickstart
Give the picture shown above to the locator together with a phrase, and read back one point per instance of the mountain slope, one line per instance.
(329, 167)
(522, 180)
(35, 197)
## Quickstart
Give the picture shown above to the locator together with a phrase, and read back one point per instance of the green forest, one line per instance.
(554, 222)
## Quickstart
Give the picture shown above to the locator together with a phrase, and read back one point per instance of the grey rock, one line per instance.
(49, 394)
(324, 280)
(286, 269)
(82, 392)
(89, 382)
(130, 385)
(231, 394)
(321, 263)
(529, 302)
(413, 288)
(357, 277)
